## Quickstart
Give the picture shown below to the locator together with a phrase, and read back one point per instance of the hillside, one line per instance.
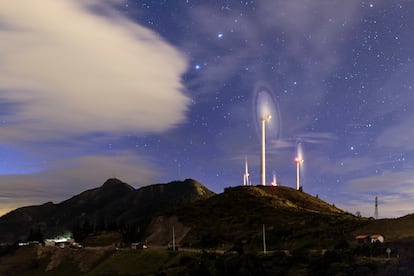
(291, 218)
(113, 206)
(392, 229)
(304, 235)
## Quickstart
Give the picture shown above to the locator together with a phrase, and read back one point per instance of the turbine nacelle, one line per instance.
(266, 117)
(298, 160)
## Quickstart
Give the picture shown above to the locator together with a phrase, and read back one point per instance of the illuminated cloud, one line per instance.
(80, 66)
(394, 189)
(389, 205)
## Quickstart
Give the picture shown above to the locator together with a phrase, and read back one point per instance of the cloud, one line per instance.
(281, 144)
(398, 136)
(401, 181)
(354, 165)
(67, 69)
(303, 31)
(390, 205)
(313, 29)
(72, 176)
(393, 188)
(316, 137)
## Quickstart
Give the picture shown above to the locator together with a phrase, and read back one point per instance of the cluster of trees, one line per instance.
(82, 227)
(85, 226)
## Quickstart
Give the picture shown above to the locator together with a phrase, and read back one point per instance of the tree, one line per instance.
(35, 234)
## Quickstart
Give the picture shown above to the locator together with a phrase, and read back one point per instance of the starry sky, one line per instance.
(162, 90)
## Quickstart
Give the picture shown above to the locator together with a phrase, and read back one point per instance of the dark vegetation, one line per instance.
(304, 235)
(55, 261)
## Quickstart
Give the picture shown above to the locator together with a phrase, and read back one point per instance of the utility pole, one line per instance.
(264, 239)
(173, 239)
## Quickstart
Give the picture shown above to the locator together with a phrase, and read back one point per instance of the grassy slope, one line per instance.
(293, 219)
(131, 261)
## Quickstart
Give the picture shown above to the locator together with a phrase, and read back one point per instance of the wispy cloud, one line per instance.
(394, 189)
(71, 70)
(390, 205)
(398, 136)
(401, 181)
(316, 137)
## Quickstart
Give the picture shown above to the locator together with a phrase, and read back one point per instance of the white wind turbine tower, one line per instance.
(263, 119)
(265, 108)
(246, 174)
(299, 162)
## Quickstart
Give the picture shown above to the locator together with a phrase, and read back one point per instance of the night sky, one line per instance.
(155, 91)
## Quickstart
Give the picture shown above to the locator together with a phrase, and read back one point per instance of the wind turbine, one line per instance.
(265, 108)
(274, 183)
(263, 119)
(246, 174)
(299, 162)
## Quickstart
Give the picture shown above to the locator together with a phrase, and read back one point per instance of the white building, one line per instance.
(376, 238)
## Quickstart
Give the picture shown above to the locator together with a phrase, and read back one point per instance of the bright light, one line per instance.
(265, 107)
(266, 117)
(298, 160)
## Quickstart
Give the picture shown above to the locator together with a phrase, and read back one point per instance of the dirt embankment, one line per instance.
(160, 231)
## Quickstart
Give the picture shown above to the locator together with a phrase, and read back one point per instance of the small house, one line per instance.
(362, 238)
(376, 238)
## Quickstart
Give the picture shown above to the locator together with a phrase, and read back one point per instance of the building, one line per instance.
(370, 238)
(377, 238)
(362, 238)
(63, 241)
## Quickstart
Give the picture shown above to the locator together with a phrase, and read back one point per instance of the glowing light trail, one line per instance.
(265, 108)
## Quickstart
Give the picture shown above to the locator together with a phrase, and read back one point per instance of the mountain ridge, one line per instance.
(294, 219)
(218, 230)
(100, 208)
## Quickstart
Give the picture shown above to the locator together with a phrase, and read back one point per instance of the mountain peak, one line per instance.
(200, 189)
(114, 183)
